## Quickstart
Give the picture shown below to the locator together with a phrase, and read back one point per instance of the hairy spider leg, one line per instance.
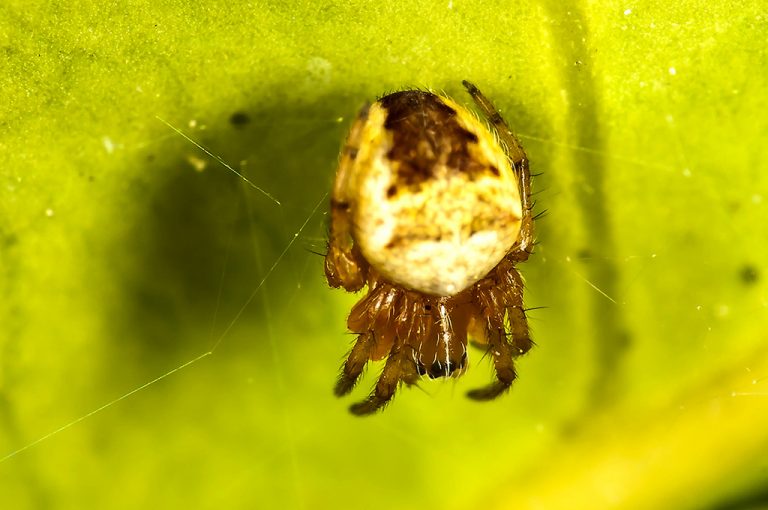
(390, 312)
(399, 367)
(354, 364)
(502, 296)
(519, 161)
(518, 322)
(344, 264)
(510, 281)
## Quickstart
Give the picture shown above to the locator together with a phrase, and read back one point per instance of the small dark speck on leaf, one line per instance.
(749, 274)
(9, 240)
(239, 119)
(89, 177)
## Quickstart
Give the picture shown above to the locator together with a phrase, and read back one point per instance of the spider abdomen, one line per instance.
(436, 204)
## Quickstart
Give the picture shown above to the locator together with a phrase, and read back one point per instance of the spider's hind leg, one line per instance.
(519, 161)
(516, 152)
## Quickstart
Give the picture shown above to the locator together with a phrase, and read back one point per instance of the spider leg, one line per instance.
(503, 356)
(354, 364)
(503, 299)
(344, 265)
(400, 366)
(518, 321)
(519, 163)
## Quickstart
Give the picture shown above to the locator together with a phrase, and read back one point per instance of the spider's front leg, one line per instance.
(344, 264)
(399, 367)
(383, 328)
(354, 364)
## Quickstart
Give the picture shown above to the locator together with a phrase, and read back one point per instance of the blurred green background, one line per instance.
(126, 252)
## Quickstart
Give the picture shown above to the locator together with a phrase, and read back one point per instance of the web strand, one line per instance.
(183, 365)
(221, 161)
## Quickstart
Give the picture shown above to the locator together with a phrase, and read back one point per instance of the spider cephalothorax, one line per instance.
(431, 212)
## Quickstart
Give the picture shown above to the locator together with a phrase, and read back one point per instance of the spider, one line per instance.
(430, 211)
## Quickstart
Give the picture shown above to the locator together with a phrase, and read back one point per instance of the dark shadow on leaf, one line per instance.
(205, 239)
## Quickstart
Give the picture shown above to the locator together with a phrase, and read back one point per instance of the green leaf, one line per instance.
(166, 335)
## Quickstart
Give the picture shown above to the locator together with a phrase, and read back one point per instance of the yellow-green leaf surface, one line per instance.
(167, 339)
